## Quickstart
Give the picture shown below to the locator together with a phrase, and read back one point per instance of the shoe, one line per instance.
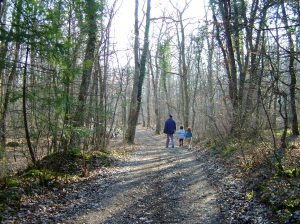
(172, 146)
(167, 147)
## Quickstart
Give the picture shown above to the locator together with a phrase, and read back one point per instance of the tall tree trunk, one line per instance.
(4, 110)
(232, 75)
(186, 100)
(12, 75)
(292, 72)
(226, 64)
(139, 75)
(133, 109)
(148, 99)
(91, 13)
(255, 76)
(163, 52)
(155, 82)
(28, 139)
(67, 83)
(103, 89)
(4, 32)
(211, 111)
(284, 115)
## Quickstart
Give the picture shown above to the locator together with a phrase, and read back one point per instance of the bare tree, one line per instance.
(183, 70)
(139, 74)
(293, 82)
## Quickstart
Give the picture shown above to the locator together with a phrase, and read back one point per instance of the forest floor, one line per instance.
(148, 184)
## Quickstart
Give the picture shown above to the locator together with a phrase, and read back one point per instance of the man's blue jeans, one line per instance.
(170, 136)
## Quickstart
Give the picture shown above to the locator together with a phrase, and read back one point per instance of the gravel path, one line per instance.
(156, 185)
(152, 185)
(159, 185)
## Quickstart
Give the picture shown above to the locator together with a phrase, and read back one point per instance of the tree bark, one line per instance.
(12, 75)
(155, 82)
(293, 82)
(225, 8)
(148, 99)
(139, 75)
(91, 13)
(31, 151)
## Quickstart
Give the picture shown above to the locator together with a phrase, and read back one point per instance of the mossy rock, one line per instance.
(71, 161)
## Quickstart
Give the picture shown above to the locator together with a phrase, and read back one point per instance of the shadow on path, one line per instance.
(154, 185)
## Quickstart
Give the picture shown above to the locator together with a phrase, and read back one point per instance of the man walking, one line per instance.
(169, 129)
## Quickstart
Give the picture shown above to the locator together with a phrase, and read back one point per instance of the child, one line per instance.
(181, 134)
(189, 136)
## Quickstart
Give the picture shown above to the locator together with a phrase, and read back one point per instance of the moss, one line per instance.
(72, 154)
(211, 144)
(31, 173)
(228, 150)
(105, 150)
(40, 177)
(11, 182)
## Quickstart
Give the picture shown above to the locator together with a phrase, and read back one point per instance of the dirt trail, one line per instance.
(153, 185)
(158, 185)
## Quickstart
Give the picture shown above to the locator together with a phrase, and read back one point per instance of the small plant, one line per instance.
(31, 173)
(227, 150)
(292, 204)
(211, 144)
(250, 195)
(73, 154)
(295, 172)
(105, 151)
(40, 177)
(11, 182)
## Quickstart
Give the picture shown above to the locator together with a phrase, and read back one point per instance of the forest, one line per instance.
(230, 73)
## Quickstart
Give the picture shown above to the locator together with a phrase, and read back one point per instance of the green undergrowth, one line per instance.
(222, 149)
(55, 170)
(72, 161)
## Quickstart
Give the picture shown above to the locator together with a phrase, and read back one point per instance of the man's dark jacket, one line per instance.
(170, 126)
